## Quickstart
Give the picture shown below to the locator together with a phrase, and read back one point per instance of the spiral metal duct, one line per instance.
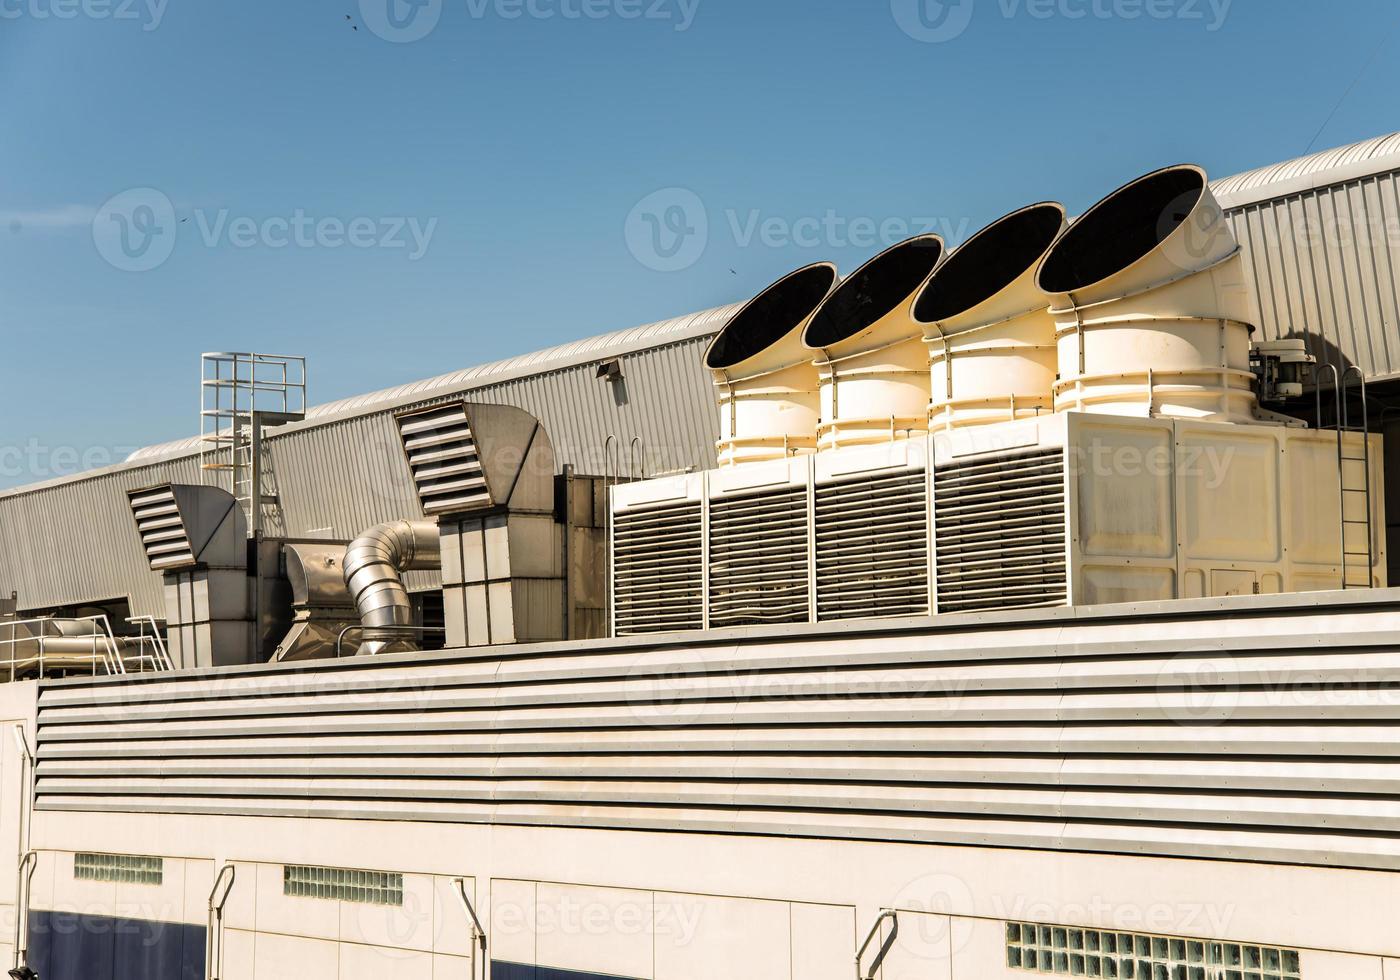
(374, 567)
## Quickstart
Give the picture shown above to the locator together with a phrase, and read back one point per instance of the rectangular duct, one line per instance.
(522, 546)
(196, 537)
(444, 459)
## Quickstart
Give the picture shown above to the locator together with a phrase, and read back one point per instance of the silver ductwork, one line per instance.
(321, 606)
(374, 567)
(196, 537)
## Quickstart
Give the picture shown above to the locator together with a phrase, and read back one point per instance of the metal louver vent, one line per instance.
(444, 459)
(872, 546)
(658, 574)
(999, 533)
(161, 527)
(758, 558)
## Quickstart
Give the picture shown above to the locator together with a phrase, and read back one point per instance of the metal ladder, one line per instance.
(1354, 492)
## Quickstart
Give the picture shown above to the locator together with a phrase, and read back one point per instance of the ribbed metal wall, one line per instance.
(1256, 728)
(75, 541)
(1325, 266)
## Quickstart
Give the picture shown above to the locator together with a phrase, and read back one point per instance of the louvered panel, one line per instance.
(872, 546)
(1195, 730)
(161, 529)
(999, 533)
(758, 558)
(658, 569)
(444, 460)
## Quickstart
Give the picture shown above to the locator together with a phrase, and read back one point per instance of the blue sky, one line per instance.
(399, 196)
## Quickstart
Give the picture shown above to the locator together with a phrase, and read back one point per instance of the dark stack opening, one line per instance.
(989, 261)
(771, 315)
(1121, 229)
(874, 290)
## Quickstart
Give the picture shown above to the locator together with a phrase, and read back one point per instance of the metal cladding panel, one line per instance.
(1325, 266)
(1189, 728)
(74, 541)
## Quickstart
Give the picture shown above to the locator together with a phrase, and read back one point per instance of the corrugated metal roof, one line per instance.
(1379, 154)
(616, 344)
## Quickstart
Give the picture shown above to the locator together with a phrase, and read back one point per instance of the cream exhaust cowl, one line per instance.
(1151, 306)
(990, 336)
(870, 355)
(765, 381)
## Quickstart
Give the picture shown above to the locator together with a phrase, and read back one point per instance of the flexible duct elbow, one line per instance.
(374, 567)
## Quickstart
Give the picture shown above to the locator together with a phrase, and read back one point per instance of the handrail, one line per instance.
(214, 939)
(478, 932)
(884, 950)
(360, 627)
(104, 644)
(162, 654)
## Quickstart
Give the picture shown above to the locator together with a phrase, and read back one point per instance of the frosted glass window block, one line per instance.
(343, 884)
(1062, 951)
(122, 868)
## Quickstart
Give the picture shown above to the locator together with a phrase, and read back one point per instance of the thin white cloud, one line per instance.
(57, 218)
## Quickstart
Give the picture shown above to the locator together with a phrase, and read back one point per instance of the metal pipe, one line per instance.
(374, 567)
(214, 938)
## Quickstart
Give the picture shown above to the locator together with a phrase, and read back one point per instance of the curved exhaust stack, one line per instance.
(1151, 306)
(374, 567)
(990, 336)
(872, 363)
(764, 378)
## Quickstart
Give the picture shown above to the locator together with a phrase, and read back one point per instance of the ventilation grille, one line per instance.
(658, 569)
(443, 457)
(1071, 952)
(342, 884)
(161, 528)
(122, 868)
(872, 547)
(999, 531)
(758, 558)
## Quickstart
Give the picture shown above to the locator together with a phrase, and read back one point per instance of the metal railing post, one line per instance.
(214, 938)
